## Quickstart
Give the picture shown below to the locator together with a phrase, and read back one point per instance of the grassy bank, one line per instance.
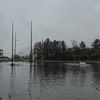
(90, 61)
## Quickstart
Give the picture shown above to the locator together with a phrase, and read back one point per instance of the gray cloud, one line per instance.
(54, 19)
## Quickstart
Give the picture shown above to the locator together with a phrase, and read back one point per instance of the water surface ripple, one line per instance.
(49, 81)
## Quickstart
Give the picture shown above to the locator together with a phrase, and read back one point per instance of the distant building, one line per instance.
(1, 52)
(3, 58)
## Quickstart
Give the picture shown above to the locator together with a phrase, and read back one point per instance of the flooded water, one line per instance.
(49, 81)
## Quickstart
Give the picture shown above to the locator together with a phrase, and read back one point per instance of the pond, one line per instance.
(49, 81)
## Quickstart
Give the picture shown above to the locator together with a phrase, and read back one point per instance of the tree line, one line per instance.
(58, 50)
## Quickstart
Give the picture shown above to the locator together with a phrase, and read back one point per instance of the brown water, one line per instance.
(52, 81)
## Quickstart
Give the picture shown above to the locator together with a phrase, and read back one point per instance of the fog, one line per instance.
(54, 19)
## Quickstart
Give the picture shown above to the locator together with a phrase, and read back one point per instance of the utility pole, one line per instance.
(34, 55)
(42, 51)
(0, 44)
(12, 42)
(31, 46)
(15, 43)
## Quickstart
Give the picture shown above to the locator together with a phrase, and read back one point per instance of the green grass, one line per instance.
(65, 61)
(87, 61)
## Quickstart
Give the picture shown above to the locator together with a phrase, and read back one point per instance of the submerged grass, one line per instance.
(65, 61)
(87, 61)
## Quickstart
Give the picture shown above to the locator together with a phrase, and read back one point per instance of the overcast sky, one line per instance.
(54, 19)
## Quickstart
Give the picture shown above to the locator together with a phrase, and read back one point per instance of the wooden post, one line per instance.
(15, 43)
(42, 51)
(31, 42)
(31, 55)
(34, 55)
(12, 42)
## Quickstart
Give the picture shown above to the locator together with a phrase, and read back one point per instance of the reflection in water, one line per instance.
(12, 83)
(50, 81)
(96, 76)
(31, 80)
(30, 83)
(53, 75)
(50, 74)
(78, 75)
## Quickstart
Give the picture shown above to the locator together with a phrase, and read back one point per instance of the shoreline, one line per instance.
(88, 62)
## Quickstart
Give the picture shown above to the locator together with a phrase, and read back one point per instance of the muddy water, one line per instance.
(49, 81)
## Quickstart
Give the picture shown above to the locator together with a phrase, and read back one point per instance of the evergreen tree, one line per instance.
(96, 45)
(63, 45)
(82, 45)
